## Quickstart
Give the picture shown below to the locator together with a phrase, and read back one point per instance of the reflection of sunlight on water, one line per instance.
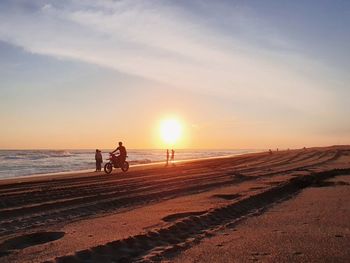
(18, 163)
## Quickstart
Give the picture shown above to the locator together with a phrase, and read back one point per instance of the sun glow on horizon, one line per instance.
(170, 131)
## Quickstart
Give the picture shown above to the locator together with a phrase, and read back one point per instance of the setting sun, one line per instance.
(170, 131)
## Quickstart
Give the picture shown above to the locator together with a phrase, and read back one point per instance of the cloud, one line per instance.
(164, 42)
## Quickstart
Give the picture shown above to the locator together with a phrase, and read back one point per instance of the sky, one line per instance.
(236, 74)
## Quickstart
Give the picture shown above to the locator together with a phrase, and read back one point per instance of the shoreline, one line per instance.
(62, 175)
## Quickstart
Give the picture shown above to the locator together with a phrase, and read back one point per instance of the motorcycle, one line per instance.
(113, 163)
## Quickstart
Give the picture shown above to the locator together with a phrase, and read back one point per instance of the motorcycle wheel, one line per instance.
(108, 168)
(125, 166)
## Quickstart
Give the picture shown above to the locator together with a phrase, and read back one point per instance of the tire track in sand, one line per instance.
(165, 242)
(60, 201)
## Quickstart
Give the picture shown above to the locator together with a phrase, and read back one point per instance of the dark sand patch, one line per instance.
(227, 196)
(21, 242)
(329, 184)
(257, 188)
(274, 183)
(173, 217)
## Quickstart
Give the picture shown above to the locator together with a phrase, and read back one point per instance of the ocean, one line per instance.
(15, 163)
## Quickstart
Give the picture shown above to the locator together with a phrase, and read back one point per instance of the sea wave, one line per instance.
(143, 161)
(60, 154)
(12, 157)
(35, 155)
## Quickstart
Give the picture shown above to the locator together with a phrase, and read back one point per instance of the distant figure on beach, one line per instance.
(172, 156)
(98, 158)
(167, 157)
(270, 151)
(120, 159)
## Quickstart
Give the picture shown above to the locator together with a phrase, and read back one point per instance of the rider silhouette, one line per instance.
(120, 159)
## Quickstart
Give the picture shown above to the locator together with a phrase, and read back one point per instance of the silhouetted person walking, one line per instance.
(98, 159)
(172, 156)
(167, 157)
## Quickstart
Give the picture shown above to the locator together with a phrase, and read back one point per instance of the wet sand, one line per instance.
(160, 213)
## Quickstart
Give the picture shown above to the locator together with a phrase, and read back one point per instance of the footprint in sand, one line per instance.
(298, 253)
(260, 254)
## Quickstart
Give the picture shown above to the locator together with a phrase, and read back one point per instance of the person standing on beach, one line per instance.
(172, 156)
(98, 158)
(167, 157)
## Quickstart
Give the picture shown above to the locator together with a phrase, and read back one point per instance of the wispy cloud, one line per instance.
(168, 43)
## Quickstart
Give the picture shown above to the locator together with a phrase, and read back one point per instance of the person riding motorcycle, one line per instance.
(120, 159)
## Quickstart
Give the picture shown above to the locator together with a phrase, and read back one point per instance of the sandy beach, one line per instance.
(280, 207)
(312, 227)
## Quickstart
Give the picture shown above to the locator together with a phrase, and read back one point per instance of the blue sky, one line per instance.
(249, 74)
